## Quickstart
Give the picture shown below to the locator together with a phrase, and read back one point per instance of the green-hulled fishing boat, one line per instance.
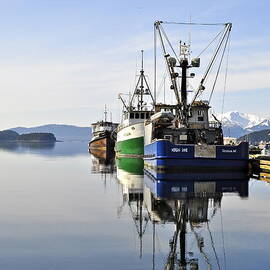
(130, 133)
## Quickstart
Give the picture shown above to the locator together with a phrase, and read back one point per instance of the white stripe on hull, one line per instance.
(131, 132)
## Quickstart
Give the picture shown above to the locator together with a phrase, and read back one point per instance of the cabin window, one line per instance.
(200, 113)
(142, 115)
(147, 116)
(168, 137)
(183, 137)
(200, 119)
(137, 116)
(132, 115)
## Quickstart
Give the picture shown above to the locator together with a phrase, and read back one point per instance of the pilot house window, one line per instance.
(137, 115)
(200, 118)
(168, 137)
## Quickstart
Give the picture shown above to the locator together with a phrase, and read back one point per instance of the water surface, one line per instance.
(60, 208)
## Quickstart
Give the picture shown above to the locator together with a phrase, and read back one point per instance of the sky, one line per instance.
(61, 61)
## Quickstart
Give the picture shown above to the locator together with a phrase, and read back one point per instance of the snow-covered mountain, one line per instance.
(244, 120)
(236, 124)
(265, 124)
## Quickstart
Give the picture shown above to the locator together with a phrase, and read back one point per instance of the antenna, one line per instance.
(105, 113)
(189, 32)
(142, 59)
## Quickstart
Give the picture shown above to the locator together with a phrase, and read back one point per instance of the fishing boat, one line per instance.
(130, 133)
(179, 137)
(102, 142)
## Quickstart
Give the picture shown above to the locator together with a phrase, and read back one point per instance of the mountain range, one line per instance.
(61, 132)
(237, 124)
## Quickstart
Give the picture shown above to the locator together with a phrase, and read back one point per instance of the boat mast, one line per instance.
(184, 66)
(142, 88)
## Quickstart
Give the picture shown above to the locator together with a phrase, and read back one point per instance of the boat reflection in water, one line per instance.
(190, 205)
(102, 163)
(199, 173)
(130, 176)
(185, 208)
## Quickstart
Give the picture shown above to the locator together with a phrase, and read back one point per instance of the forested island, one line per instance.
(12, 136)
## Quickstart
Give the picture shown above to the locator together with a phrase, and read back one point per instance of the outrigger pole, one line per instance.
(170, 64)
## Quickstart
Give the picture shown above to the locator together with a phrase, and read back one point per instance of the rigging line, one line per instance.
(190, 23)
(224, 253)
(155, 64)
(148, 87)
(164, 76)
(168, 41)
(210, 65)
(221, 60)
(212, 244)
(215, 53)
(145, 226)
(157, 25)
(225, 79)
(133, 86)
(154, 245)
(134, 220)
(210, 43)
(207, 261)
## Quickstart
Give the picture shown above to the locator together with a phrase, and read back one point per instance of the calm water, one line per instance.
(60, 208)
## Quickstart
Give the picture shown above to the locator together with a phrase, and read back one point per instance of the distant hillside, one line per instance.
(257, 136)
(13, 136)
(61, 132)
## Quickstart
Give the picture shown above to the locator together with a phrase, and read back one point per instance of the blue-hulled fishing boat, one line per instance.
(179, 138)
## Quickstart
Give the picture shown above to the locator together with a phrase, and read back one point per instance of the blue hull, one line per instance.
(163, 159)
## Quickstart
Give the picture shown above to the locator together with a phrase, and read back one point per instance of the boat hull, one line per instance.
(163, 159)
(102, 145)
(130, 141)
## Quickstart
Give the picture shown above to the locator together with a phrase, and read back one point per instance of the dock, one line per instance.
(260, 167)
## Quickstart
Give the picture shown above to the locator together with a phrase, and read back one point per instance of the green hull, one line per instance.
(131, 165)
(131, 147)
